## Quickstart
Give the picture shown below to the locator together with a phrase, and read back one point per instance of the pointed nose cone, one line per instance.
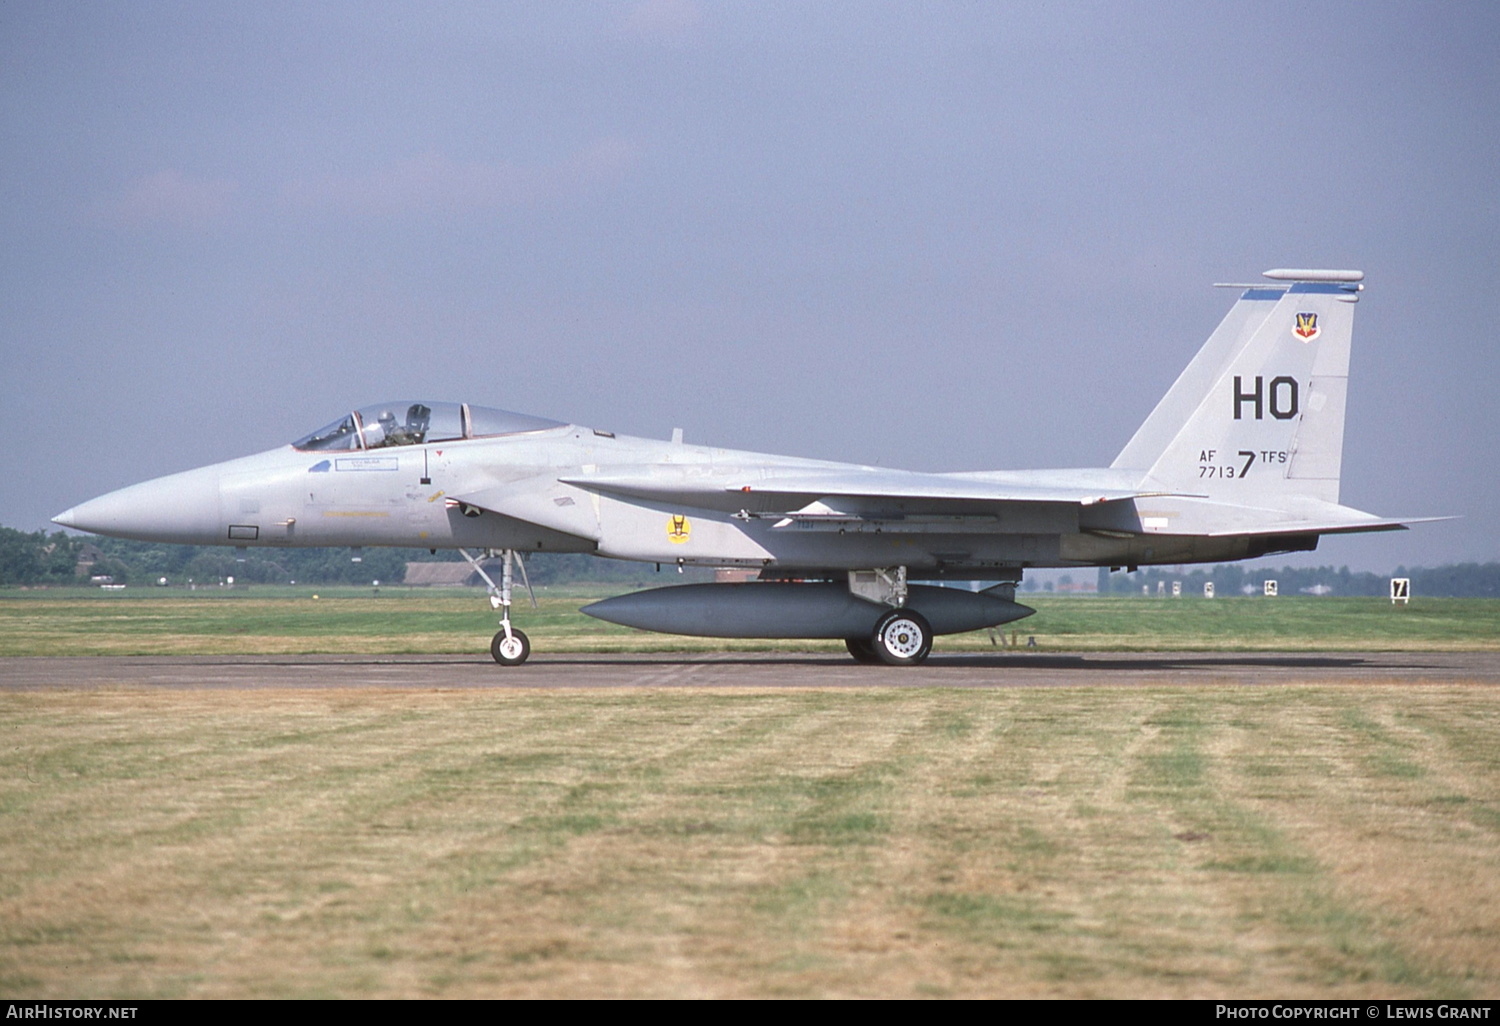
(182, 508)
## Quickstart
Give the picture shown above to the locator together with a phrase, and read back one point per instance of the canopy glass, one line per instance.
(417, 423)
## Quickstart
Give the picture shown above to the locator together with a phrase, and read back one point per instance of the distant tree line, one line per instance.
(56, 559)
(36, 558)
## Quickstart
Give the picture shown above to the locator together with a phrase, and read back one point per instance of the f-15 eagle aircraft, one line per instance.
(1240, 459)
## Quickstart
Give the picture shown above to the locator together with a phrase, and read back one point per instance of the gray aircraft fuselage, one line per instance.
(1241, 458)
(539, 479)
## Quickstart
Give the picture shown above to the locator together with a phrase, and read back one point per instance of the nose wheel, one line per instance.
(510, 649)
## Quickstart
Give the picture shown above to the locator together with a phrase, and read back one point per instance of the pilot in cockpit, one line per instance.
(413, 432)
(388, 430)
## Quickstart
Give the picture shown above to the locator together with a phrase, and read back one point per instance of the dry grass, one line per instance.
(1317, 841)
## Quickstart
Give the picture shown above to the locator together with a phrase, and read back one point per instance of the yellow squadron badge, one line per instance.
(1307, 327)
(678, 528)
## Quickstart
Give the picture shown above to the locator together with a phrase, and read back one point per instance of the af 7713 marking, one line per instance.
(838, 547)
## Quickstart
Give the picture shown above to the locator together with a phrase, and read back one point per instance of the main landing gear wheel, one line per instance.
(862, 651)
(511, 651)
(902, 638)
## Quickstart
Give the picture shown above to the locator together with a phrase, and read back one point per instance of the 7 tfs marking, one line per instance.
(1209, 467)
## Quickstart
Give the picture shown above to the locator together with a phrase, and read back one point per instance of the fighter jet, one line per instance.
(1239, 460)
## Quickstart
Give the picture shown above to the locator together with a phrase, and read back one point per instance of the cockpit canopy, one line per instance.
(416, 423)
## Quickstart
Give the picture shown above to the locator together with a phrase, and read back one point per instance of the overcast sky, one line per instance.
(939, 236)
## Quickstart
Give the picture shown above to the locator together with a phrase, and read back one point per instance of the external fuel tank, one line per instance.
(775, 609)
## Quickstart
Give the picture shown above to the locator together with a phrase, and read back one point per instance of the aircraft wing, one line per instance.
(854, 494)
(730, 492)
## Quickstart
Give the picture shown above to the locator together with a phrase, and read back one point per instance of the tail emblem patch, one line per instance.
(1307, 327)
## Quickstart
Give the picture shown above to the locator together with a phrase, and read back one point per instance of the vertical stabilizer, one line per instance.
(1258, 415)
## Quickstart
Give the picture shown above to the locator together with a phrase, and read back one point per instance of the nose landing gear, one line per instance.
(509, 646)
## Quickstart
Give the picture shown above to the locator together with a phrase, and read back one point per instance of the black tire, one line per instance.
(902, 638)
(862, 651)
(512, 655)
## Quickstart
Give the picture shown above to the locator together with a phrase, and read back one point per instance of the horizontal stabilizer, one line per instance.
(1339, 527)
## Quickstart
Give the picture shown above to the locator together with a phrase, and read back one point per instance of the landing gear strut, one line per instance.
(902, 636)
(509, 646)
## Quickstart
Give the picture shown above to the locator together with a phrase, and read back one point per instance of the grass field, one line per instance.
(1175, 842)
(1182, 841)
(401, 620)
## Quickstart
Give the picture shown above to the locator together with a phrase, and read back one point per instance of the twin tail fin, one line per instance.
(1257, 418)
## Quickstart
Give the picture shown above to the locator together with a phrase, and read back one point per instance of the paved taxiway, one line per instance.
(751, 670)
